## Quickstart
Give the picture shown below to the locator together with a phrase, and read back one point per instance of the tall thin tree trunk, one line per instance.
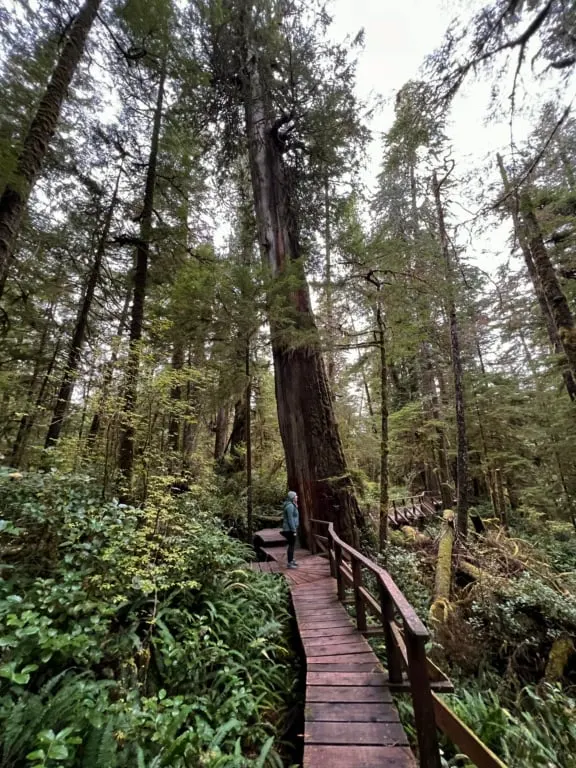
(108, 374)
(314, 455)
(384, 447)
(248, 396)
(433, 407)
(462, 440)
(176, 397)
(31, 159)
(128, 429)
(221, 432)
(550, 322)
(25, 420)
(80, 329)
(39, 400)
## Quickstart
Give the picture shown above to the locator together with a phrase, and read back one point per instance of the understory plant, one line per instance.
(134, 638)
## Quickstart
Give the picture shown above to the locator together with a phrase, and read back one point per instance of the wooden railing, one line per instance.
(405, 638)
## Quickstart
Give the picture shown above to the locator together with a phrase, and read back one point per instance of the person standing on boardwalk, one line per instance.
(290, 523)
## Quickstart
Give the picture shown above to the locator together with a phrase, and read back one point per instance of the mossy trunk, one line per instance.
(443, 581)
(31, 158)
(315, 460)
(562, 649)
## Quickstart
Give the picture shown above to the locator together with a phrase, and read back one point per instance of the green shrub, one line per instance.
(133, 638)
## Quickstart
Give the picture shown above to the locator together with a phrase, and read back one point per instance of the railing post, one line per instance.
(422, 701)
(339, 577)
(358, 601)
(332, 557)
(393, 655)
(313, 547)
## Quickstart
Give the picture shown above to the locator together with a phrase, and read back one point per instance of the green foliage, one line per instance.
(133, 638)
(537, 728)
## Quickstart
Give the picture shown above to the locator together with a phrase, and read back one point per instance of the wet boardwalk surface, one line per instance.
(350, 720)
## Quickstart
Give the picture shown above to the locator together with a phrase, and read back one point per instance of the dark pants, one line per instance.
(290, 537)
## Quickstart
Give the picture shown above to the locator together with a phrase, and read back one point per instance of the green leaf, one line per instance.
(58, 751)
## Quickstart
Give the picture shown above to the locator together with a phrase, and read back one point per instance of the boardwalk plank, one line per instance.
(385, 734)
(339, 658)
(378, 712)
(317, 756)
(351, 721)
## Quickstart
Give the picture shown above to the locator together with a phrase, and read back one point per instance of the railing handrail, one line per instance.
(403, 650)
(412, 623)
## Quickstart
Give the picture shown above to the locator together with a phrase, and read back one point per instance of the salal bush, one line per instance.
(133, 637)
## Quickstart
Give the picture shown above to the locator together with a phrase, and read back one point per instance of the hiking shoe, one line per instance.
(292, 565)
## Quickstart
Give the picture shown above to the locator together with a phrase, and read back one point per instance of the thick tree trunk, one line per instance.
(31, 158)
(555, 298)
(314, 455)
(461, 436)
(79, 335)
(527, 242)
(128, 429)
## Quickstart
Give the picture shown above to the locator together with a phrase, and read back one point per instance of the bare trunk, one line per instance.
(128, 429)
(26, 418)
(314, 455)
(328, 287)
(176, 397)
(108, 374)
(31, 158)
(433, 404)
(526, 244)
(79, 335)
(239, 435)
(221, 433)
(384, 447)
(248, 398)
(19, 450)
(461, 440)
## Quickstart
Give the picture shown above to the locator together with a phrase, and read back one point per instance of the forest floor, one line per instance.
(505, 635)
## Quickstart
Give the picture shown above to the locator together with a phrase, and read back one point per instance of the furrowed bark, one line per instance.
(31, 159)
(521, 231)
(314, 455)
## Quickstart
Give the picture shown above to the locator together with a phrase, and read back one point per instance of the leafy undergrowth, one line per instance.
(497, 640)
(132, 638)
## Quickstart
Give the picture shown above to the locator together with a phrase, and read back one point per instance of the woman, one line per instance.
(290, 525)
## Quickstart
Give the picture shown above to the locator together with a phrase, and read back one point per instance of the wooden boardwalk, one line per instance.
(350, 720)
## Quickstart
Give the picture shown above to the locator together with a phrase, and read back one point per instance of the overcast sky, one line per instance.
(399, 34)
